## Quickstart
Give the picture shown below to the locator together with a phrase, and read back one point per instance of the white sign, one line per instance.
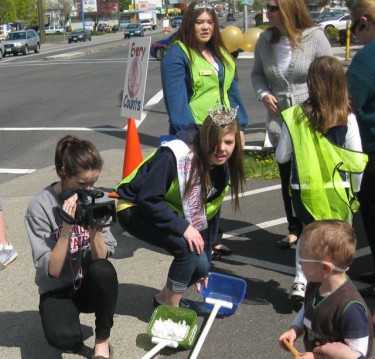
(135, 78)
(89, 6)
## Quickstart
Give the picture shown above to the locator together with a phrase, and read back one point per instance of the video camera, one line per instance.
(89, 213)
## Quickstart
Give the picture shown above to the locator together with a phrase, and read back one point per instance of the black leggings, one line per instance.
(60, 309)
(294, 224)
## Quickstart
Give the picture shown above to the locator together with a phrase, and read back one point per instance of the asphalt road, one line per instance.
(40, 101)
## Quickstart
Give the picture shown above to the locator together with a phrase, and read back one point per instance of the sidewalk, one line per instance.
(21, 334)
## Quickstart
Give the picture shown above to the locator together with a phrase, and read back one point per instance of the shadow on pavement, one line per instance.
(23, 330)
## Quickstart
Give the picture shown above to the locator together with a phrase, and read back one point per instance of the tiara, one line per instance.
(222, 115)
(203, 5)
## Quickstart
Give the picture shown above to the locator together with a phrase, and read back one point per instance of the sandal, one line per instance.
(223, 249)
(216, 256)
(288, 241)
(100, 356)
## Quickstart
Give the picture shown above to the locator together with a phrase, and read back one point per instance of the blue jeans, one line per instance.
(187, 267)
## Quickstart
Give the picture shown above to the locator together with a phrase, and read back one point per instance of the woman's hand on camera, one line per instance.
(194, 239)
(70, 206)
(271, 103)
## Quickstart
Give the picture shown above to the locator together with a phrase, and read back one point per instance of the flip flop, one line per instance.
(286, 243)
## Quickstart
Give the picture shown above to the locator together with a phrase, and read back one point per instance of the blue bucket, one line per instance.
(226, 288)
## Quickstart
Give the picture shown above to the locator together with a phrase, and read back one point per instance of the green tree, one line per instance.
(7, 11)
(258, 5)
(27, 10)
(124, 5)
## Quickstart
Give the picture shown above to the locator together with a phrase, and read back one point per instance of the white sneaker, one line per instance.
(7, 255)
(297, 292)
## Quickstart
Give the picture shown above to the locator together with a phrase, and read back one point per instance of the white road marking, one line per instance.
(16, 171)
(253, 228)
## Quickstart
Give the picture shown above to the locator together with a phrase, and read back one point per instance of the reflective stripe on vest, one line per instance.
(318, 162)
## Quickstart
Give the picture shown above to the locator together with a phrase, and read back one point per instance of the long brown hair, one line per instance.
(74, 155)
(296, 18)
(328, 104)
(204, 143)
(187, 36)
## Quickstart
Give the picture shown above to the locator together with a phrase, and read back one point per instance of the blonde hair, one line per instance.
(331, 238)
(363, 8)
(296, 18)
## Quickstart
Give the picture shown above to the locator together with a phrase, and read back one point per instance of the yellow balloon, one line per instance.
(250, 38)
(232, 37)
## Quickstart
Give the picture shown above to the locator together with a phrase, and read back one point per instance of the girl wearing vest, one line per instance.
(322, 139)
(172, 199)
(73, 272)
(282, 58)
(197, 72)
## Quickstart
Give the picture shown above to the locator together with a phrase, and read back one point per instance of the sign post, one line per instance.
(133, 100)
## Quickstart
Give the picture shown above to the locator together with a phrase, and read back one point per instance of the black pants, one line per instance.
(294, 224)
(60, 309)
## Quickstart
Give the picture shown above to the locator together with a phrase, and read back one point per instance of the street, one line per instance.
(44, 97)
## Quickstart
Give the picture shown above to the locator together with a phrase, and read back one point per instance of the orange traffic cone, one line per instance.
(165, 30)
(133, 153)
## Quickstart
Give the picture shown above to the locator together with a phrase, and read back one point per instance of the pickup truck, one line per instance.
(148, 24)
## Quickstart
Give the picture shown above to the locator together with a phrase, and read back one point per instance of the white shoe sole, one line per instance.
(10, 260)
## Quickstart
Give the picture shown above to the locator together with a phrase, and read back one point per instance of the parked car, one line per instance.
(231, 17)
(2, 50)
(148, 24)
(52, 30)
(22, 41)
(177, 21)
(327, 15)
(158, 48)
(134, 30)
(115, 28)
(339, 22)
(79, 35)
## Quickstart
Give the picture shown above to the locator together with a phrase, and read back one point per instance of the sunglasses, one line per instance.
(272, 8)
(337, 269)
(353, 27)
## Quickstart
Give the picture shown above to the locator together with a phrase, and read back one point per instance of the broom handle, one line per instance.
(155, 350)
(206, 329)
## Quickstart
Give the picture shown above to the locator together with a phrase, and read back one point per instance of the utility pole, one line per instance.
(42, 31)
(83, 15)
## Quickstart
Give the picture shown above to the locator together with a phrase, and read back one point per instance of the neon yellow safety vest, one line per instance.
(205, 83)
(172, 197)
(318, 162)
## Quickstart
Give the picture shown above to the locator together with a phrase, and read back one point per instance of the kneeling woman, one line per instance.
(172, 199)
(72, 270)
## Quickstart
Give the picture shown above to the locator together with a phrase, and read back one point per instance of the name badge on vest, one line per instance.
(205, 72)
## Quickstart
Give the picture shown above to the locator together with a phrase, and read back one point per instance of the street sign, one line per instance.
(135, 78)
(247, 2)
